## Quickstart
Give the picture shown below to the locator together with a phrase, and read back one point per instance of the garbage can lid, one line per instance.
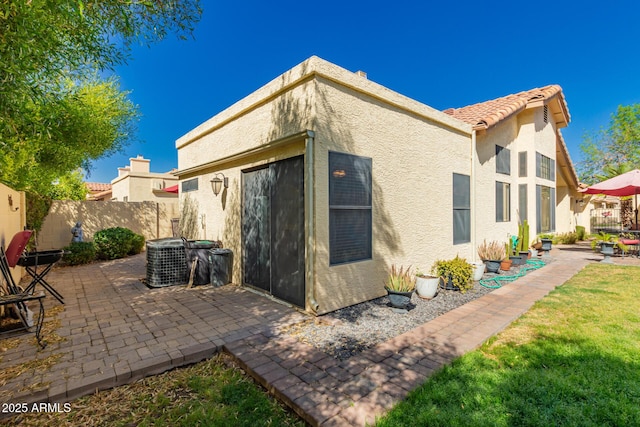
(220, 251)
(199, 244)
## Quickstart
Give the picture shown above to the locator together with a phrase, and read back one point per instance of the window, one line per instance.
(545, 167)
(461, 209)
(545, 209)
(522, 164)
(350, 220)
(503, 160)
(503, 201)
(190, 185)
(522, 202)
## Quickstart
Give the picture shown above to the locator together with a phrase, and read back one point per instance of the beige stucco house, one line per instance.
(136, 183)
(332, 178)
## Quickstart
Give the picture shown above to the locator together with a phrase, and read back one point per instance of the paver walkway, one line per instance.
(117, 330)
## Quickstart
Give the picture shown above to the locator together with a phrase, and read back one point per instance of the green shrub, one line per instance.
(137, 244)
(117, 242)
(79, 253)
(565, 238)
(581, 232)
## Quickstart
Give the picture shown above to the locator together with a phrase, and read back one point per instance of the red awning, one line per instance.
(172, 189)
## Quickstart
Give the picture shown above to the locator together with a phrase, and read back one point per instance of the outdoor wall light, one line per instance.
(216, 183)
(580, 202)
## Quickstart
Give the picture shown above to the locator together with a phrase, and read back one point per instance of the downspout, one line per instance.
(473, 194)
(309, 209)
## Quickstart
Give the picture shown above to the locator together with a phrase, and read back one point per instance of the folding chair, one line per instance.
(16, 296)
(30, 261)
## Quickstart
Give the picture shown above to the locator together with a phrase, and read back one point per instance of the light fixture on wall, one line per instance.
(11, 204)
(580, 202)
(216, 183)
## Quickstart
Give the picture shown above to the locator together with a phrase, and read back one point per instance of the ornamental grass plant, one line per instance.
(400, 280)
(491, 251)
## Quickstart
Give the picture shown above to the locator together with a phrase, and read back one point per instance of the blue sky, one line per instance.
(448, 54)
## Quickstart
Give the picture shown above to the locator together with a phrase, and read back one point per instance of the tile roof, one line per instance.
(97, 186)
(489, 113)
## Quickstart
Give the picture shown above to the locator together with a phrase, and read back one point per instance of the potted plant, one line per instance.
(511, 249)
(607, 243)
(400, 285)
(455, 274)
(546, 240)
(492, 254)
(426, 285)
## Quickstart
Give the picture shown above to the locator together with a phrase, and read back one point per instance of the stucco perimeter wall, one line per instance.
(413, 161)
(12, 218)
(151, 219)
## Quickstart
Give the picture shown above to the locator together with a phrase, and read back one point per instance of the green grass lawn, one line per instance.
(211, 393)
(572, 360)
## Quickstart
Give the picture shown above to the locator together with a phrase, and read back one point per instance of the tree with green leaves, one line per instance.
(614, 149)
(56, 114)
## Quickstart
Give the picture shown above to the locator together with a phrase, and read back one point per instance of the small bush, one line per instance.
(581, 232)
(137, 244)
(79, 253)
(117, 242)
(565, 238)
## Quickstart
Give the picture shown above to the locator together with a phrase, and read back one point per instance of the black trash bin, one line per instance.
(197, 249)
(221, 266)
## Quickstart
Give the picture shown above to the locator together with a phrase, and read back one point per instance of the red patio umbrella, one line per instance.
(626, 184)
(172, 189)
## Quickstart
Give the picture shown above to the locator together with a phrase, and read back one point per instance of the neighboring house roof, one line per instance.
(97, 187)
(487, 114)
(98, 191)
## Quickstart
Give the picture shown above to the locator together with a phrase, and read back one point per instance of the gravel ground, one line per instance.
(348, 331)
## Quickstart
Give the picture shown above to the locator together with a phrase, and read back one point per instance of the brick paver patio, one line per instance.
(118, 330)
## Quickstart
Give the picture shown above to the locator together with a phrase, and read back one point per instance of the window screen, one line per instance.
(350, 217)
(461, 209)
(503, 202)
(545, 167)
(503, 160)
(522, 164)
(190, 185)
(545, 209)
(522, 202)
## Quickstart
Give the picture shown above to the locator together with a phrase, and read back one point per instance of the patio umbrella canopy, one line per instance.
(626, 184)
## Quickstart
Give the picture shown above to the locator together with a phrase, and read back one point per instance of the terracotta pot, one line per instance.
(505, 265)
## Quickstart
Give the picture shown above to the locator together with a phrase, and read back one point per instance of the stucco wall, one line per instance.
(151, 219)
(414, 150)
(12, 219)
(526, 132)
(506, 135)
(413, 161)
(140, 187)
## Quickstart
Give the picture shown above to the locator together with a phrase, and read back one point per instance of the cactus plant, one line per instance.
(523, 236)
